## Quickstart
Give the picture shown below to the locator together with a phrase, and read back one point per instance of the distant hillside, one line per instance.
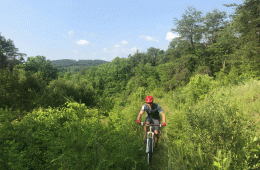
(69, 62)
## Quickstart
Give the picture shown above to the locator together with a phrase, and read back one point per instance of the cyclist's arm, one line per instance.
(163, 116)
(140, 114)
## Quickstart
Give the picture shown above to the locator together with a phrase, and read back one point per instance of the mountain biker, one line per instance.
(153, 115)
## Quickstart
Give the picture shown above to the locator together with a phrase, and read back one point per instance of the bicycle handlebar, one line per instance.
(143, 124)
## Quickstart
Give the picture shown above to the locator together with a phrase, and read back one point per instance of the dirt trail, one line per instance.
(160, 157)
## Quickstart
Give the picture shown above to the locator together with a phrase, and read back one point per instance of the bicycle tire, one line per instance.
(150, 151)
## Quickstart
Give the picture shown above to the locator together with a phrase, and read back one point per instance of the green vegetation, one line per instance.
(68, 62)
(73, 66)
(207, 82)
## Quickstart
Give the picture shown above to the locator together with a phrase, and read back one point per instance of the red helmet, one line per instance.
(149, 99)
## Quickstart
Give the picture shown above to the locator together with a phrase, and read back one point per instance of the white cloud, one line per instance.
(116, 46)
(70, 32)
(148, 38)
(82, 42)
(171, 36)
(124, 42)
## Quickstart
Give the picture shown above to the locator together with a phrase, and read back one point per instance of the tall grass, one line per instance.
(209, 126)
(73, 137)
(215, 127)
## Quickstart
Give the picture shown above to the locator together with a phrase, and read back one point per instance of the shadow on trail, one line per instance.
(160, 156)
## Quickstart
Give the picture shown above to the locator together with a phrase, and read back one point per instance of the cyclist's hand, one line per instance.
(164, 124)
(138, 121)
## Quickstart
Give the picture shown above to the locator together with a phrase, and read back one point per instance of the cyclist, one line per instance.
(153, 115)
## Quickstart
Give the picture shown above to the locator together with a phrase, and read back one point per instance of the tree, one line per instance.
(154, 55)
(177, 49)
(146, 76)
(189, 27)
(248, 17)
(39, 64)
(247, 23)
(213, 21)
(137, 58)
(177, 73)
(220, 51)
(9, 53)
(3, 61)
(61, 89)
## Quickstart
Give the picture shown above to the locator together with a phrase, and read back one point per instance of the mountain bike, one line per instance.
(150, 141)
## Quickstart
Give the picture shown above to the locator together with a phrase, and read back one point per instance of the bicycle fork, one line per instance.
(150, 134)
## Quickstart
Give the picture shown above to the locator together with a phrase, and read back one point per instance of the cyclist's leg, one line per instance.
(147, 122)
(156, 130)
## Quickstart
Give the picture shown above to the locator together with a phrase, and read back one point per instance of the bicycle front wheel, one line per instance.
(150, 150)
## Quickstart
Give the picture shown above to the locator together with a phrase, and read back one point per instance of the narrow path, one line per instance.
(160, 157)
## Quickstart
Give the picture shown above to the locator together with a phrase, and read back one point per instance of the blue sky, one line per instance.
(89, 30)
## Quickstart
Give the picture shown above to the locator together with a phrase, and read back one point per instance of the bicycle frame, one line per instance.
(150, 141)
(150, 134)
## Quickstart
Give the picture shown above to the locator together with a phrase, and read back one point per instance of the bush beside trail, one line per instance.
(215, 127)
(72, 137)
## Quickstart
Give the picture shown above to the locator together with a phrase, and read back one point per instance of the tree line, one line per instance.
(209, 44)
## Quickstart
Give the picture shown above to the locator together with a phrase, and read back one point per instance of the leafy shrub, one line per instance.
(198, 87)
(20, 90)
(72, 137)
(218, 132)
(60, 90)
(40, 65)
(204, 70)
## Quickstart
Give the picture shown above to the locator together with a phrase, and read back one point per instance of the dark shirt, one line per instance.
(154, 112)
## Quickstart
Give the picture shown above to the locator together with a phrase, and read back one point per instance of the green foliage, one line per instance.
(137, 58)
(235, 77)
(198, 87)
(178, 48)
(145, 76)
(173, 75)
(222, 160)
(9, 54)
(204, 70)
(74, 66)
(60, 90)
(246, 22)
(213, 21)
(247, 17)
(189, 27)
(154, 56)
(218, 132)
(10, 91)
(68, 62)
(20, 90)
(220, 52)
(71, 137)
(40, 65)
(211, 123)
(3, 60)
(110, 78)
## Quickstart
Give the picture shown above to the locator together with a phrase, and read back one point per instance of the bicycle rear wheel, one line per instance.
(150, 151)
